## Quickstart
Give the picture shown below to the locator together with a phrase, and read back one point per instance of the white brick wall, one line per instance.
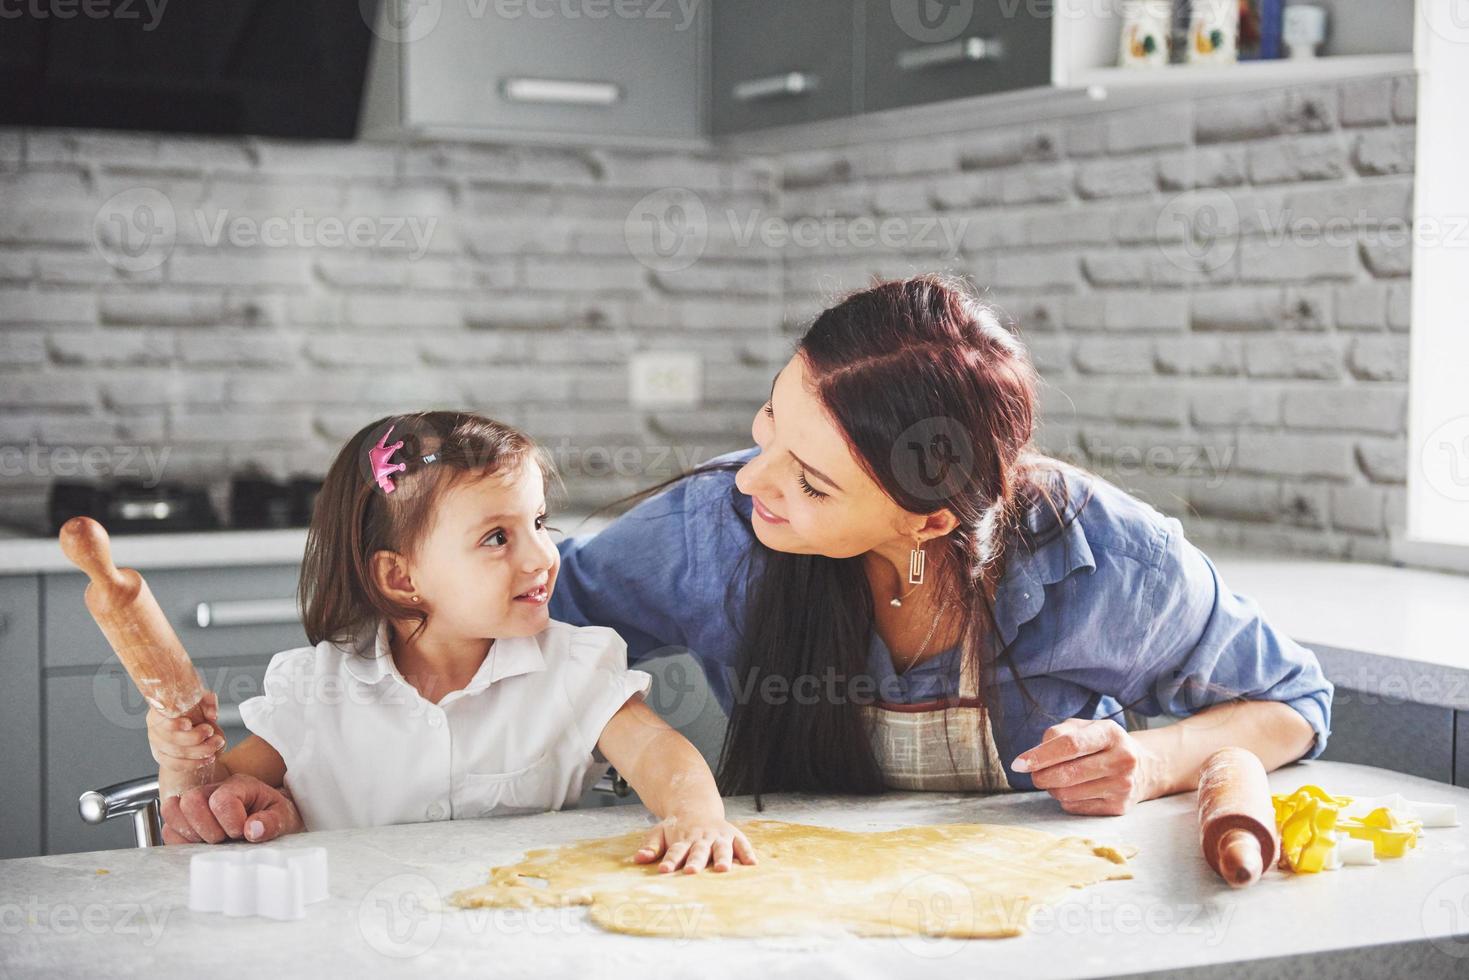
(1251, 381)
(1207, 287)
(519, 296)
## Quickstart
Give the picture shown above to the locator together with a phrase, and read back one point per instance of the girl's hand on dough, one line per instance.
(692, 843)
(178, 745)
(1091, 766)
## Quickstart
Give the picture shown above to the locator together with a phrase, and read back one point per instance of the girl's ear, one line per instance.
(391, 574)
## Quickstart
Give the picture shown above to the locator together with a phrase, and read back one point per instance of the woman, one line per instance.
(895, 590)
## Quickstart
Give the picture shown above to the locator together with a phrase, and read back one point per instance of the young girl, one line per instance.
(438, 686)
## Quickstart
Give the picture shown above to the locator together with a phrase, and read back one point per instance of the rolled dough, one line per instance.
(957, 880)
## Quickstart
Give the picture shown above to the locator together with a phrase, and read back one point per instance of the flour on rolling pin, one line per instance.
(140, 634)
(1236, 816)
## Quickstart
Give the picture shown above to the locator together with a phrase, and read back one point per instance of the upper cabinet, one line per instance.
(595, 69)
(921, 51)
(779, 62)
(779, 73)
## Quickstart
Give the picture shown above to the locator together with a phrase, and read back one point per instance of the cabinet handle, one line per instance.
(246, 612)
(774, 87)
(561, 91)
(951, 53)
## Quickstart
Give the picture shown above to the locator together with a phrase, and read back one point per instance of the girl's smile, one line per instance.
(536, 596)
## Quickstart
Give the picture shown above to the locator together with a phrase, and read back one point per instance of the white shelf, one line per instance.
(1182, 81)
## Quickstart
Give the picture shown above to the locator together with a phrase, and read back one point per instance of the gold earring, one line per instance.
(916, 562)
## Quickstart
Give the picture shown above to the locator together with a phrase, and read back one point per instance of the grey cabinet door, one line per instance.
(1461, 748)
(20, 715)
(250, 611)
(778, 62)
(1375, 730)
(922, 51)
(96, 736)
(547, 67)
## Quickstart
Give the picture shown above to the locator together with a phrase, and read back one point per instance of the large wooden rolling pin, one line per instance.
(1236, 817)
(124, 607)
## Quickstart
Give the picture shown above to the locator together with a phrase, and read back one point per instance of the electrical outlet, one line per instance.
(666, 379)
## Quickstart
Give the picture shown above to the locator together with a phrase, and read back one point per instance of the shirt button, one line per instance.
(434, 721)
(436, 811)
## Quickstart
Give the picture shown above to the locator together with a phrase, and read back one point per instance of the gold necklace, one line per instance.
(932, 628)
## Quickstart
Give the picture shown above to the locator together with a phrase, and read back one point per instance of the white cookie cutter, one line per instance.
(253, 880)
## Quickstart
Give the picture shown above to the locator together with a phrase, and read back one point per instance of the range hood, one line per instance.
(292, 68)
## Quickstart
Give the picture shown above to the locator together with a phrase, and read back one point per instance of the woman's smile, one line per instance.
(766, 514)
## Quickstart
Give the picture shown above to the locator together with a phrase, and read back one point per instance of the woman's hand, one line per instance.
(238, 808)
(692, 842)
(181, 747)
(1091, 766)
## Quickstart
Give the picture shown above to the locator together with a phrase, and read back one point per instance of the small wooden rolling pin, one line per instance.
(1236, 817)
(124, 607)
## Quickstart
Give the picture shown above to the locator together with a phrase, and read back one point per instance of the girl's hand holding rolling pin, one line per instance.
(180, 747)
(1091, 766)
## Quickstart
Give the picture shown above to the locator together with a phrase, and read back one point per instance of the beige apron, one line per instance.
(943, 745)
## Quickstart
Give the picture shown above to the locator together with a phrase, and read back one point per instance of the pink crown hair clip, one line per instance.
(381, 459)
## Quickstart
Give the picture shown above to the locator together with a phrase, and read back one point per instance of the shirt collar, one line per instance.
(508, 657)
(1021, 592)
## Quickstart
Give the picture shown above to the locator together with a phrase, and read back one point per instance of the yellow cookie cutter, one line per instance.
(1310, 822)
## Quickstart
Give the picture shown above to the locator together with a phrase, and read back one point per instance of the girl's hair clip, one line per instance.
(380, 461)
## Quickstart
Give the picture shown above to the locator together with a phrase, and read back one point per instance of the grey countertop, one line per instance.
(387, 914)
(1399, 633)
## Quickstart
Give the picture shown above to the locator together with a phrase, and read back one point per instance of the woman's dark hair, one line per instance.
(354, 518)
(936, 398)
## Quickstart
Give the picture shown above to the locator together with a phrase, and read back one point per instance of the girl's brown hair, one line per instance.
(354, 518)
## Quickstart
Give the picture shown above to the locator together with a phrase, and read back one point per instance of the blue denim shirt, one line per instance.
(1119, 609)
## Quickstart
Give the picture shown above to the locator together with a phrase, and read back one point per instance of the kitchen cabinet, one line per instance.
(20, 714)
(767, 75)
(917, 52)
(781, 62)
(1461, 748)
(96, 735)
(1379, 730)
(615, 72)
(72, 713)
(244, 611)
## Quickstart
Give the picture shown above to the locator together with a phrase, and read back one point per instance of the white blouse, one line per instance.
(363, 748)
